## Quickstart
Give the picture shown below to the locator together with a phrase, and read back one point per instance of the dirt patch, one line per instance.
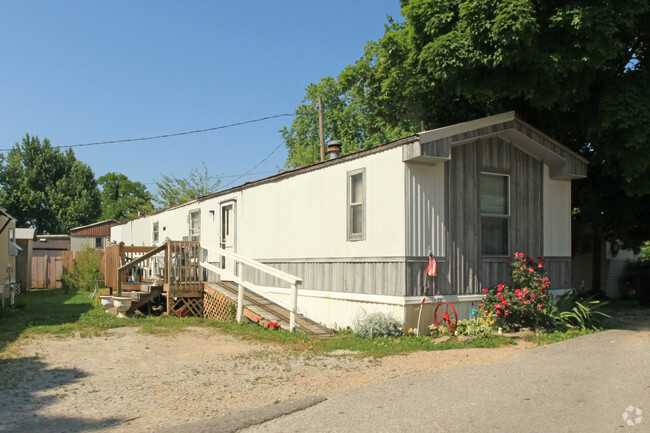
(129, 381)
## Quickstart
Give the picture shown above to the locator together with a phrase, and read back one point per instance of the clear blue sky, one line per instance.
(88, 71)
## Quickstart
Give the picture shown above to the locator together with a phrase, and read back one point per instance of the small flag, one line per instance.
(432, 267)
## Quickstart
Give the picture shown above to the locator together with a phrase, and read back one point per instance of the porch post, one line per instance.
(240, 293)
(294, 307)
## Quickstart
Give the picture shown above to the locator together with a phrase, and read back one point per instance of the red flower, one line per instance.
(485, 290)
(498, 312)
(500, 287)
(539, 307)
(540, 265)
(531, 270)
(507, 312)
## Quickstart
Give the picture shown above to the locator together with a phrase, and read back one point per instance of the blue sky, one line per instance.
(89, 71)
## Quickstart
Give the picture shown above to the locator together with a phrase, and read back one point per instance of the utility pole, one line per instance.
(320, 128)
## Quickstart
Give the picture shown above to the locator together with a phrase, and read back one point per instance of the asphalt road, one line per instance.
(580, 385)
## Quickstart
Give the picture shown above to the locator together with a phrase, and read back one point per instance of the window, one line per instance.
(495, 213)
(356, 205)
(195, 225)
(99, 244)
(156, 232)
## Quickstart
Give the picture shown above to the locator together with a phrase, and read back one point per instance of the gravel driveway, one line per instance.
(127, 381)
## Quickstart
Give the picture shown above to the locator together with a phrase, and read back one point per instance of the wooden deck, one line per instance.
(263, 309)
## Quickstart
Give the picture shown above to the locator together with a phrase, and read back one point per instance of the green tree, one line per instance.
(47, 189)
(122, 198)
(577, 70)
(173, 191)
(345, 117)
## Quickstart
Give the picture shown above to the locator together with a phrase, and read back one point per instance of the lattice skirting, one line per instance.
(185, 307)
(218, 306)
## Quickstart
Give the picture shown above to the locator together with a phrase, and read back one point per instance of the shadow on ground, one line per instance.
(628, 315)
(40, 308)
(27, 386)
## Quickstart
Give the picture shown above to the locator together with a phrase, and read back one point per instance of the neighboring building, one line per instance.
(25, 239)
(96, 235)
(356, 228)
(47, 260)
(8, 252)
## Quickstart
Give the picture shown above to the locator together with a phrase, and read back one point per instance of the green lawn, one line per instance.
(66, 314)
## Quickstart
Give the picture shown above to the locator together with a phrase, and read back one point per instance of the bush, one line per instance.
(84, 268)
(475, 328)
(370, 325)
(528, 305)
(581, 313)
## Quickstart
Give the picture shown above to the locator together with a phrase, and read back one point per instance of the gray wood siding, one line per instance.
(363, 276)
(469, 271)
(558, 271)
(525, 204)
(463, 220)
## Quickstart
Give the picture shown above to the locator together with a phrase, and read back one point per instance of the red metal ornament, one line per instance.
(445, 314)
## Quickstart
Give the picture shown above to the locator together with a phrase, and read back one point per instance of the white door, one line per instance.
(227, 241)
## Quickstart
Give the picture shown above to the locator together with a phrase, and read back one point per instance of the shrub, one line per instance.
(378, 324)
(474, 328)
(528, 305)
(581, 313)
(84, 268)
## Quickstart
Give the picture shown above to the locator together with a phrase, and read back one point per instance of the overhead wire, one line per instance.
(176, 134)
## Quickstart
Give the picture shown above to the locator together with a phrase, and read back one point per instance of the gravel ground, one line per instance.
(129, 381)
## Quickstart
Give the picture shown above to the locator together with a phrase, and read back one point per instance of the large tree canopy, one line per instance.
(173, 190)
(577, 70)
(123, 198)
(347, 119)
(47, 189)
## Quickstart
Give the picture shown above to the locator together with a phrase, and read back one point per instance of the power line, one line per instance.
(177, 134)
(227, 176)
(258, 164)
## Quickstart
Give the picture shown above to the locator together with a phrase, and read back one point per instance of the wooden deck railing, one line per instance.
(239, 262)
(175, 264)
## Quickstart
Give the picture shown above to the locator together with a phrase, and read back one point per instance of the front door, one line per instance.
(227, 241)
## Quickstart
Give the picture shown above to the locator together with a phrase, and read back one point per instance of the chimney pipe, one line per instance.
(334, 148)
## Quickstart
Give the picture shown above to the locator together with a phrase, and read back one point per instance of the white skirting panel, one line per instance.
(338, 310)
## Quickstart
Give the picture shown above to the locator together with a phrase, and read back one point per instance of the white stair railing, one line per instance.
(240, 261)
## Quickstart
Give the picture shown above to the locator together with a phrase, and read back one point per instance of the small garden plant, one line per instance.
(529, 304)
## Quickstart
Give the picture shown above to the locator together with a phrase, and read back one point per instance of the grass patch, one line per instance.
(61, 314)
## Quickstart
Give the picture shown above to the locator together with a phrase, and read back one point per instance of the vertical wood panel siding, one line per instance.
(558, 271)
(526, 204)
(425, 209)
(415, 278)
(463, 241)
(365, 277)
(469, 271)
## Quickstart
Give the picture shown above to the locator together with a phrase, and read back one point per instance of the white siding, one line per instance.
(425, 209)
(305, 216)
(557, 216)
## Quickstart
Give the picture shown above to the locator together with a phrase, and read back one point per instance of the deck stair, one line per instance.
(140, 294)
(267, 310)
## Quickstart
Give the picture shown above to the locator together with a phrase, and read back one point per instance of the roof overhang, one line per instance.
(435, 146)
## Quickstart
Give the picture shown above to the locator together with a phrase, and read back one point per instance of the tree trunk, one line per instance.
(596, 252)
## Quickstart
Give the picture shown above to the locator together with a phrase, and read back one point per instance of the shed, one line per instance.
(95, 235)
(357, 228)
(25, 238)
(8, 252)
(47, 260)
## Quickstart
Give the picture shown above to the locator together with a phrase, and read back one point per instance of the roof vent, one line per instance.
(334, 148)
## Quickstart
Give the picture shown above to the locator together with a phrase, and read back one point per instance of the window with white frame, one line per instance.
(495, 213)
(156, 232)
(195, 225)
(356, 205)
